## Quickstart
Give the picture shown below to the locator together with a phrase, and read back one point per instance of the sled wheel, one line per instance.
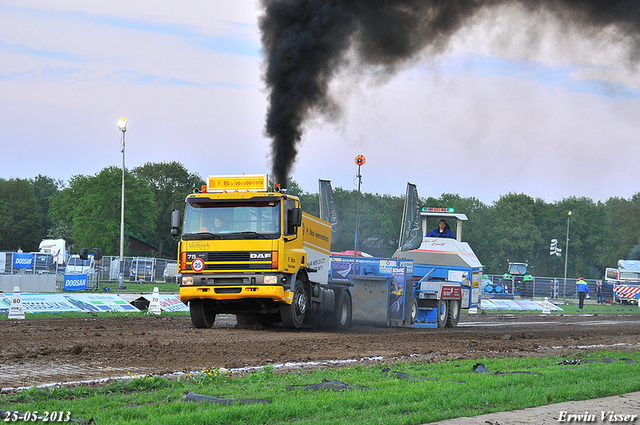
(342, 314)
(454, 313)
(443, 313)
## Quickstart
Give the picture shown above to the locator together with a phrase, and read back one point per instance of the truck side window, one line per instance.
(288, 207)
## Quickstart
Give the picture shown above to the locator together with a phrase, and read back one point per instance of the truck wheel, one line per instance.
(443, 313)
(293, 315)
(342, 313)
(414, 310)
(454, 313)
(202, 312)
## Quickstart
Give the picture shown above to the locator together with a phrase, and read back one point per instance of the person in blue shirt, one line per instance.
(583, 290)
(443, 231)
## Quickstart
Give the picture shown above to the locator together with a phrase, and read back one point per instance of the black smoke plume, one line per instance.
(305, 44)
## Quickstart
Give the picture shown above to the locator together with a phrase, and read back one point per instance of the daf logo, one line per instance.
(260, 256)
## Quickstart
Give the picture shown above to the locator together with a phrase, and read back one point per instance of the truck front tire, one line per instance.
(293, 315)
(203, 313)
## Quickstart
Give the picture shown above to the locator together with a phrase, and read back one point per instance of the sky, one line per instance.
(496, 112)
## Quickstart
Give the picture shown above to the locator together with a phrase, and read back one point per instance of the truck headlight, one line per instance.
(187, 280)
(271, 280)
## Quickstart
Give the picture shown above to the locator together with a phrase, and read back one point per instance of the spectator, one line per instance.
(583, 290)
(599, 293)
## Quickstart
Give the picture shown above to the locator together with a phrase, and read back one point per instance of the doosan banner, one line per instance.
(22, 261)
(75, 282)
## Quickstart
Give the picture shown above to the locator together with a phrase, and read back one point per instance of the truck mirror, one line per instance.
(296, 217)
(175, 222)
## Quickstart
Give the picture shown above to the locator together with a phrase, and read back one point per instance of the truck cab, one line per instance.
(247, 251)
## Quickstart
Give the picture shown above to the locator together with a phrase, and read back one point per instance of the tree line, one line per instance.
(85, 212)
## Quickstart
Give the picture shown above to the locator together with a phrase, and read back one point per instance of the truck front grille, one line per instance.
(228, 256)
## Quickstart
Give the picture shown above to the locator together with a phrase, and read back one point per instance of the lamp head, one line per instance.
(122, 124)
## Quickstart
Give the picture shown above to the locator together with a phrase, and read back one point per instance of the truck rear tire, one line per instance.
(293, 314)
(203, 313)
(454, 313)
(342, 313)
(443, 313)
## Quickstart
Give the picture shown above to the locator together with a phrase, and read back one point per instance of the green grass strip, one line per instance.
(156, 400)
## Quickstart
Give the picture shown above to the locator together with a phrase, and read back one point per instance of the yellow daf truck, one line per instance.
(251, 252)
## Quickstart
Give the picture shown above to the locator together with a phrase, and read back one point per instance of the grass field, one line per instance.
(446, 390)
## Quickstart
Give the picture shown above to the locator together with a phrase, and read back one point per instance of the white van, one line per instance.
(170, 273)
(76, 265)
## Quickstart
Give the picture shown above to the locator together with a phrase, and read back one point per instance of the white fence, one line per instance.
(135, 269)
(552, 287)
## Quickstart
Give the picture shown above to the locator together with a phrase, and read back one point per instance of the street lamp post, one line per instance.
(360, 160)
(566, 259)
(122, 125)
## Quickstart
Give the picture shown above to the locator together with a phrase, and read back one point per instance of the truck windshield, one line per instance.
(206, 219)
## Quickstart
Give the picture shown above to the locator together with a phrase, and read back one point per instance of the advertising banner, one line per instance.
(328, 211)
(396, 293)
(40, 303)
(22, 261)
(504, 304)
(75, 282)
(100, 302)
(411, 233)
(170, 302)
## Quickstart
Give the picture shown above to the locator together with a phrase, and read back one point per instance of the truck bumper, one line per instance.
(275, 293)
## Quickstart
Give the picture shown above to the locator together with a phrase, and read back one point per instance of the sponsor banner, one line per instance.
(100, 302)
(498, 304)
(411, 233)
(328, 210)
(396, 293)
(59, 303)
(5, 304)
(75, 282)
(22, 261)
(41, 303)
(169, 302)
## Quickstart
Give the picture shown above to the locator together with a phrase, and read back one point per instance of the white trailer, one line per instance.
(625, 281)
(57, 248)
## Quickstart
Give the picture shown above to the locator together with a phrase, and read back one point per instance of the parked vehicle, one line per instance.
(625, 281)
(55, 247)
(142, 270)
(77, 265)
(170, 273)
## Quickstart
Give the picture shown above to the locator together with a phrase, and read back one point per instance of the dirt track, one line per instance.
(37, 351)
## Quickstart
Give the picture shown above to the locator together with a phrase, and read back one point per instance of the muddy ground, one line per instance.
(38, 351)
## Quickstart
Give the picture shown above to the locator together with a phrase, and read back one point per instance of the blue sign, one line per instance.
(75, 282)
(22, 261)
